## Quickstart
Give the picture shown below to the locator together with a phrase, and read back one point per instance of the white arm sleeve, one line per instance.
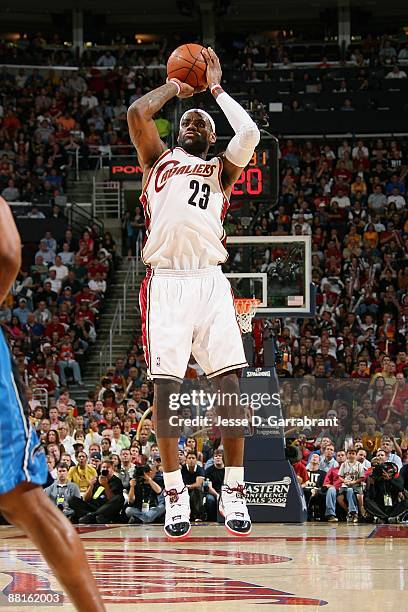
(242, 146)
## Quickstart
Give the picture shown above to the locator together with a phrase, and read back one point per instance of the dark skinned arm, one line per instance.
(10, 250)
(142, 128)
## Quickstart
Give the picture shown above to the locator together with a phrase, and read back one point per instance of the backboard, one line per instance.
(273, 269)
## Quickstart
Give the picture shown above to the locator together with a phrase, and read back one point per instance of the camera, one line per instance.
(140, 471)
(105, 472)
(382, 470)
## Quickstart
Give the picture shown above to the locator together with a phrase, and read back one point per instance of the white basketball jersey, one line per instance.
(184, 205)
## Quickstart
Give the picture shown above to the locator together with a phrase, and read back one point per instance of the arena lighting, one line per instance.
(11, 36)
(146, 37)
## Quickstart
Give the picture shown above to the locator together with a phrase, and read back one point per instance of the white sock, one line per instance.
(233, 476)
(173, 480)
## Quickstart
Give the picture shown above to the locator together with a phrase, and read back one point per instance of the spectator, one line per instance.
(107, 60)
(82, 474)
(62, 491)
(333, 484)
(48, 256)
(67, 360)
(22, 311)
(312, 488)
(119, 440)
(214, 478)
(61, 270)
(193, 478)
(103, 499)
(351, 474)
(384, 499)
(362, 458)
(328, 461)
(93, 436)
(163, 127)
(347, 105)
(396, 73)
(391, 457)
(65, 439)
(146, 499)
(11, 193)
(89, 101)
(66, 255)
(397, 198)
(127, 468)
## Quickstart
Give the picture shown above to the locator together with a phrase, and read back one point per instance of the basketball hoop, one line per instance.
(245, 309)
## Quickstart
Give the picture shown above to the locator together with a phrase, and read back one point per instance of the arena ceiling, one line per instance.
(160, 14)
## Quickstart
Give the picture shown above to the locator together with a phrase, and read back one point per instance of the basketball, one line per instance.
(188, 64)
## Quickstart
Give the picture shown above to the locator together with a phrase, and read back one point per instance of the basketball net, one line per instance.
(245, 309)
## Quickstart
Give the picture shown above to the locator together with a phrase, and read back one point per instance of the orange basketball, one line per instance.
(188, 64)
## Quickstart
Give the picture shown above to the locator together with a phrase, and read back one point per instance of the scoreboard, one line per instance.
(255, 179)
(260, 179)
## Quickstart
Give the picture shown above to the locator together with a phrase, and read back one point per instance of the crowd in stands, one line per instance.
(238, 51)
(352, 358)
(48, 119)
(371, 51)
(51, 315)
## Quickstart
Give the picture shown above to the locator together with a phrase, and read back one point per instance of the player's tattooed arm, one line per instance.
(140, 117)
(10, 250)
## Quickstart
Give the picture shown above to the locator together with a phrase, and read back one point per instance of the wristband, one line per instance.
(176, 84)
(214, 88)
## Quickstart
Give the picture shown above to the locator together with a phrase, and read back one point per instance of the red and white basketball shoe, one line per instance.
(232, 506)
(177, 520)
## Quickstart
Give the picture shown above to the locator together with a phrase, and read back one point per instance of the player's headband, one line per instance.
(200, 112)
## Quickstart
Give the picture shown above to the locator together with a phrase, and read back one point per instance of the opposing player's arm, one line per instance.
(142, 128)
(10, 250)
(241, 147)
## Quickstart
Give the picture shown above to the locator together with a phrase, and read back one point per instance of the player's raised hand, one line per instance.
(214, 72)
(186, 91)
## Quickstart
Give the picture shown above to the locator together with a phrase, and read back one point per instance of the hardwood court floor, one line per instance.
(303, 567)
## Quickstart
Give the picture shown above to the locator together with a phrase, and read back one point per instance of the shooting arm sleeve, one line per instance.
(242, 145)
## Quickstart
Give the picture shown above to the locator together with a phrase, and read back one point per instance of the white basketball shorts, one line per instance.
(189, 312)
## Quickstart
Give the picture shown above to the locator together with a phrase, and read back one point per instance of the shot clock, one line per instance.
(259, 180)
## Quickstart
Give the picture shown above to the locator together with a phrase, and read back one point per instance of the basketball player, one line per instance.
(22, 460)
(186, 302)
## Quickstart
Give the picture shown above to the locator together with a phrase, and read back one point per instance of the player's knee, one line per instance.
(11, 508)
(165, 391)
(228, 382)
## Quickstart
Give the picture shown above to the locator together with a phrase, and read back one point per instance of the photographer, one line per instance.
(214, 478)
(193, 478)
(62, 491)
(385, 498)
(126, 469)
(146, 501)
(312, 488)
(103, 499)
